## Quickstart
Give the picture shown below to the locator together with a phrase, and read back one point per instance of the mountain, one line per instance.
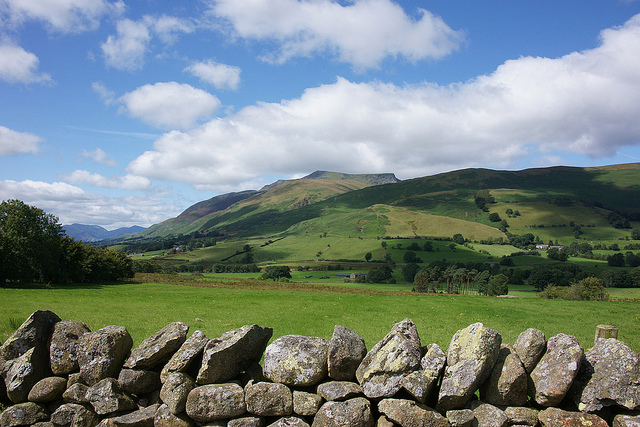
(94, 233)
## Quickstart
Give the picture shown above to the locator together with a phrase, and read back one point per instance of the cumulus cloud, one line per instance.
(167, 28)
(170, 105)
(361, 33)
(13, 142)
(127, 182)
(99, 156)
(107, 96)
(19, 66)
(585, 103)
(222, 76)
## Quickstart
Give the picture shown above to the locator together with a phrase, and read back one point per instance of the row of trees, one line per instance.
(33, 248)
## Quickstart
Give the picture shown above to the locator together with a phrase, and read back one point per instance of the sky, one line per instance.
(121, 112)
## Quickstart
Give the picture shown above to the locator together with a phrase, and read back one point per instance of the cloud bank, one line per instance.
(13, 142)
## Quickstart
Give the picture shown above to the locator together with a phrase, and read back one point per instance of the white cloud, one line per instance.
(126, 50)
(221, 76)
(66, 16)
(13, 142)
(107, 96)
(127, 182)
(167, 27)
(585, 103)
(19, 66)
(362, 33)
(170, 105)
(99, 156)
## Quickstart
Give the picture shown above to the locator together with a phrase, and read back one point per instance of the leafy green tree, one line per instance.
(276, 272)
(498, 285)
(617, 279)
(635, 277)
(413, 247)
(494, 217)
(409, 271)
(411, 257)
(509, 211)
(635, 234)
(427, 247)
(458, 238)
(482, 281)
(557, 255)
(631, 259)
(382, 274)
(615, 260)
(542, 276)
(368, 256)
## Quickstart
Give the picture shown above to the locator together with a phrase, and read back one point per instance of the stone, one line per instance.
(296, 360)
(76, 393)
(246, 422)
(399, 353)
(175, 390)
(409, 413)
(306, 404)
(605, 331)
(268, 399)
(143, 417)
(487, 415)
(346, 351)
(186, 356)
(63, 346)
(555, 417)
(48, 390)
(23, 372)
(507, 384)
(383, 421)
(460, 417)
(158, 348)
(289, 422)
(339, 390)
(530, 346)
(609, 375)
(421, 383)
(214, 402)
(106, 397)
(73, 379)
(165, 418)
(521, 416)
(227, 356)
(138, 381)
(35, 331)
(622, 420)
(472, 353)
(74, 415)
(23, 414)
(354, 413)
(552, 377)
(102, 353)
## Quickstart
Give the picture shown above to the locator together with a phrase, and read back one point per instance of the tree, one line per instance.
(276, 272)
(498, 285)
(427, 247)
(494, 217)
(615, 260)
(382, 274)
(368, 256)
(509, 211)
(631, 259)
(635, 234)
(413, 247)
(409, 271)
(617, 279)
(458, 238)
(410, 257)
(557, 254)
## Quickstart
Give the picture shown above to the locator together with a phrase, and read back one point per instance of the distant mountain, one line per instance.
(366, 178)
(94, 233)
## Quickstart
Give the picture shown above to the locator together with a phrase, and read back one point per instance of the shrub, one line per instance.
(588, 289)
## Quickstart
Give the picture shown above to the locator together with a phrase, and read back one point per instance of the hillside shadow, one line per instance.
(44, 286)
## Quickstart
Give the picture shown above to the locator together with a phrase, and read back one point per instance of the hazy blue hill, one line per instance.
(94, 233)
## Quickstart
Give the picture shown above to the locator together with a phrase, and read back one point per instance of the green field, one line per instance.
(305, 309)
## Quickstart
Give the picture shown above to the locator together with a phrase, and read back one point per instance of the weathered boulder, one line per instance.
(159, 347)
(268, 399)
(609, 375)
(102, 353)
(552, 377)
(23, 414)
(555, 417)
(305, 403)
(460, 417)
(107, 397)
(521, 416)
(186, 356)
(530, 346)
(213, 402)
(354, 413)
(409, 413)
(421, 383)
(472, 353)
(289, 422)
(399, 353)
(339, 390)
(507, 384)
(383, 421)
(74, 415)
(165, 418)
(76, 393)
(139, 381)
(23, 372)
(143, 417)
(346, 351)
(296, 360)
(487, 415)
(225, 357)
(47, 390)
(63, 346)
(622, 420)
(246, 422)
(35, 331)
(175, 390)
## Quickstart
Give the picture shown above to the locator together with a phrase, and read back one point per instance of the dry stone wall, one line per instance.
(58, 373)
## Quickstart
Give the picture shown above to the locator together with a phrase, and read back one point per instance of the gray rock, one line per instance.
(63, 347)
(74, 415)
(268, 399)
(553, 375)
(165, 418)
(23, 414)
(106, 397)
(354, 413)
(289, 422)
(102, 353)
(296, 360)
(246, 422)
(141, 418)
(521, 416)
(23, 372)
(346, 351)
(138, 381)
(215, 402)
(460, 417)
(74, 378)
(530, 346)
(183, 359)
(76, 393)
(339, 390)
(421, 383)
(622, 420)
(47, 390)
(227, 356)
(409, 413)
(472, 353)
(507, 384)
(35, 331)
(158, 348)
(609, 375)
(390, 360)
(487, 415)
(305, 403)
(175, 390)
(554, 417)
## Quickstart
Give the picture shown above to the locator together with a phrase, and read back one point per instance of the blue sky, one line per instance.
(119, 113)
